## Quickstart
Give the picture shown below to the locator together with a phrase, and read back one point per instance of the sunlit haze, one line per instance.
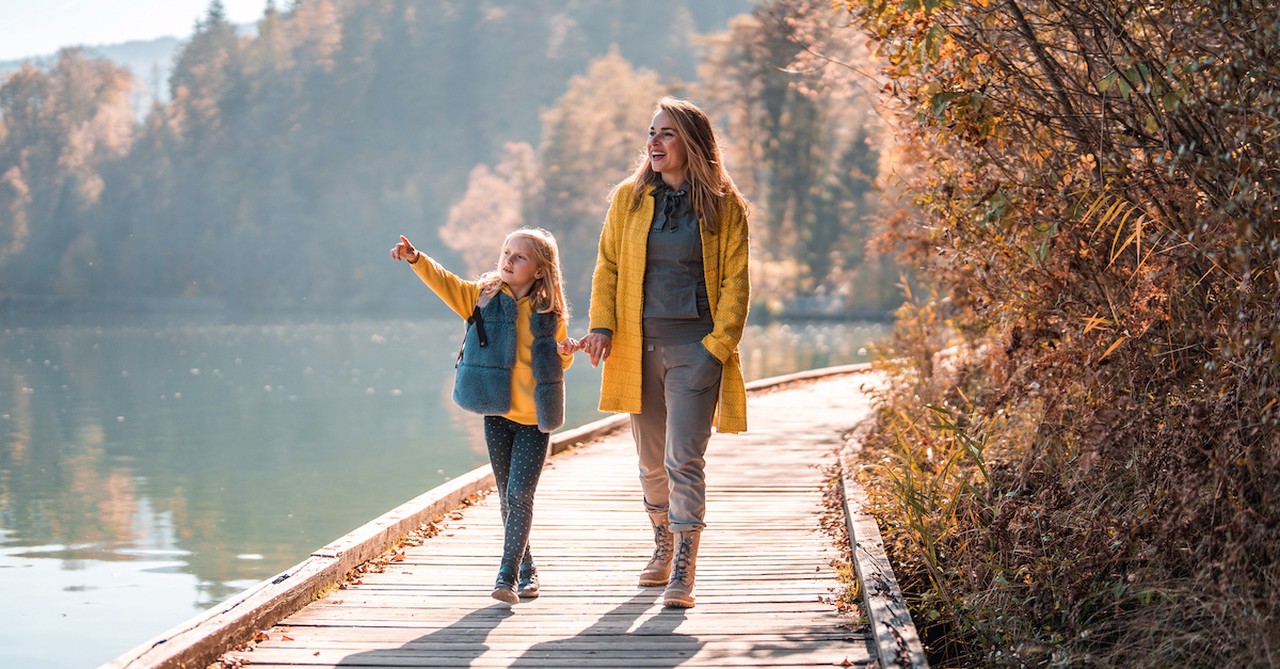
(30, 28)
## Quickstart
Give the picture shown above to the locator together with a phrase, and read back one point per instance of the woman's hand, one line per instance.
(597, 345)
(404, 251)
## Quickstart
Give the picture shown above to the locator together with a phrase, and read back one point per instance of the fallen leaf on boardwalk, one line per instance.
(286, 637)
(846, 663)
(262, 636)
(398, 557)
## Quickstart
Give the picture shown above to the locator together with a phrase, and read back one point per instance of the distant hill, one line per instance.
(149, 60)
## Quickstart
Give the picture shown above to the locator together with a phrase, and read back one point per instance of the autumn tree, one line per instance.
(59, 130)
(494, 204)
(804, 146)
(591, 140)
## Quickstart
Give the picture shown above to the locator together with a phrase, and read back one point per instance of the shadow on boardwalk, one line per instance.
(461, 643)
(654, 641)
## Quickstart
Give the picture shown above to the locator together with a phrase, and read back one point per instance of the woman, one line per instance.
(669, 300)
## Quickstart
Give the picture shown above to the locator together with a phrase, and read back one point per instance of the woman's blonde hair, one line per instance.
(708, 182)
(546, 293)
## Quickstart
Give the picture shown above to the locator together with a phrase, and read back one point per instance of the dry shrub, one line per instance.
(1078, 463)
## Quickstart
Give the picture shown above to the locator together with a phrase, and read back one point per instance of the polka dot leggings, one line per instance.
(517, 453)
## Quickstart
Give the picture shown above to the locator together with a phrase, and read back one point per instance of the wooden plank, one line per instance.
(692, 654)
(306, 636)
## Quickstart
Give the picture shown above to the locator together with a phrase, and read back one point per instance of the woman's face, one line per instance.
(667, 153)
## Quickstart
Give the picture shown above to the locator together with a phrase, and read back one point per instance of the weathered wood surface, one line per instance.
(758, 605)
(766, 568)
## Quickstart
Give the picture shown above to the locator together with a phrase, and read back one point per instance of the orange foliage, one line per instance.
(1097, 197)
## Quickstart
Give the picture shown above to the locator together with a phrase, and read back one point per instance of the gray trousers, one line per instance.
(680, 384)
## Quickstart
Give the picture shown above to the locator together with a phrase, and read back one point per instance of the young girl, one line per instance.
(511, 370)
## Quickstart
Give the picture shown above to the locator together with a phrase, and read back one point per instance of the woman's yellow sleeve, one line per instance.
(604, 281)
(735, 285)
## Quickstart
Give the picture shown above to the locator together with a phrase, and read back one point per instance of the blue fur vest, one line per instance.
(483, 380)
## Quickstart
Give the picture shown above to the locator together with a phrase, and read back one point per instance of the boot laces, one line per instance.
(661, 544)
(684, 555)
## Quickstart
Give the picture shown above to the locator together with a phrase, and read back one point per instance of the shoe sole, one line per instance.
(678, 603)
(530, 594)
(505, 595)
(653, 581)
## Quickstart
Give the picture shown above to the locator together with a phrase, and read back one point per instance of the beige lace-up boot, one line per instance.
(680, 590)
(658, 571)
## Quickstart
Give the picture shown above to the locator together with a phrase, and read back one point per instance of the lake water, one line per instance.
(150, 470)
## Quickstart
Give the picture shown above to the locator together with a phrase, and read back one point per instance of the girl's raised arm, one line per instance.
(403, 250)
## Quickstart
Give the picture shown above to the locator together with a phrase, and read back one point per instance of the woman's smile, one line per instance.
(668, 154)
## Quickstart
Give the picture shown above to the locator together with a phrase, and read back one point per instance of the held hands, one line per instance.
(597, 345)
(568, 346)
(404, 251)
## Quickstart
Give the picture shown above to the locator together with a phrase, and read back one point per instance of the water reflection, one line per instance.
(158, 469)
(784, 348)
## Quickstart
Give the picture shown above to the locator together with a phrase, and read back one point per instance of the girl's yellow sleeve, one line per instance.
(459, 294)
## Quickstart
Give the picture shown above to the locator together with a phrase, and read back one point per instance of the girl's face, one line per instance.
(518, 267)
(667, 153)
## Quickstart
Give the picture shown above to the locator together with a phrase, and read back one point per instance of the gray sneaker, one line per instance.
(505, 591)
(529, 586)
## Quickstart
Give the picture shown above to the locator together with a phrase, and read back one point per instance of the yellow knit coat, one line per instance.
(617, 302)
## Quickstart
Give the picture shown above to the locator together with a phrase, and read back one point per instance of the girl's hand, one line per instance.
(568, 346)
(404, 251)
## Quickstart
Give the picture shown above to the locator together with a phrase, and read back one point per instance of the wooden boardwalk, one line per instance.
(766, 568)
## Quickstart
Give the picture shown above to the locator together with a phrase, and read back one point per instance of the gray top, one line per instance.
(676, 310)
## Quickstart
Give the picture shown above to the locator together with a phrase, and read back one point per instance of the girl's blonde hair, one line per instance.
(547, 293)
(708, 181)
